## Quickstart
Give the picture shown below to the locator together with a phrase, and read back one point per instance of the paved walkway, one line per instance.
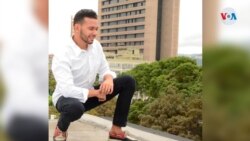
(81, 131)
(92, 128)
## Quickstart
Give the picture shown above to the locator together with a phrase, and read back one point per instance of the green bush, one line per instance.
(175, 114)
(52, 83)
(2, 91)
(175, 89)
(50, 101)
(154, 79)
(136, 109)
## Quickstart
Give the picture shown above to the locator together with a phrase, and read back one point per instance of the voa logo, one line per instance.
(228, 16)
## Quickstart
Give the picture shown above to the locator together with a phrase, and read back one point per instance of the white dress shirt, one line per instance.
(75, 70)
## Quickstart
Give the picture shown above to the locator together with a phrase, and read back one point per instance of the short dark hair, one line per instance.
(81, 14)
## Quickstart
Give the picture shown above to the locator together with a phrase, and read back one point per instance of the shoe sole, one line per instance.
(58, 140)
(128, 139)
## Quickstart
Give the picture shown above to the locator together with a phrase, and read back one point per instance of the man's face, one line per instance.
(88, 30)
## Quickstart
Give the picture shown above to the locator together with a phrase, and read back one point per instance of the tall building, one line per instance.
(210, 22)
(139, 29)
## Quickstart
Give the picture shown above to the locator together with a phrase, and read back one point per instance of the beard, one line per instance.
(85, 38)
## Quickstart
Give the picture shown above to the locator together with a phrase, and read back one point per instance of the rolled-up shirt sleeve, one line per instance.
(64, 78)
(104, 67)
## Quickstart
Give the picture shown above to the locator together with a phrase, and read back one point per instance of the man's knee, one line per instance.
(129, 81)
(76, 110)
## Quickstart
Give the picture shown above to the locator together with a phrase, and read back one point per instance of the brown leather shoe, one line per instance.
(120, 137)
(59, 135)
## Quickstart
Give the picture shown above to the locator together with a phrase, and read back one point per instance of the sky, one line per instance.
(60, 13)
(190, 23)
(190, 27)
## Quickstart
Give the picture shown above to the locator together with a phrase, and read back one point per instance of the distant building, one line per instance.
(50, 60)
(139, 29)
(120, 66)
(196, 57)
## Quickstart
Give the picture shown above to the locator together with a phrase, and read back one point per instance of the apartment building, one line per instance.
(138, 29)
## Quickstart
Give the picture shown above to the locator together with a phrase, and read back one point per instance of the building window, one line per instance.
(131, 36)
(112, 37)
(121, 22)
(140, 19)
(105, 3)
(139, 35)
(104, 44)
(104, 31)
(110, 57)
(121, 36)
(143, 11)
(113, 23)
(130, 28)
(121, 44)
(137, 43)
(105, 17)
(132, 12)
(140, 27)
(142, 3)
(130, 20)
(113, 16)
(130, 43)
(105, 38)
(113, 1)
(113, 30)
(121, 29)
(123, 14)
(122, 0)
(105, 24)
(119, 7)
(127, 66)
(141, 51)
(130, 5)
(112, 44)
(128, 13)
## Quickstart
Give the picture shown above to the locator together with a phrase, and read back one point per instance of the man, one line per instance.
(75, 70)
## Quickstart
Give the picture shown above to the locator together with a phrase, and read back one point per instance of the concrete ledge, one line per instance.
(138, 132)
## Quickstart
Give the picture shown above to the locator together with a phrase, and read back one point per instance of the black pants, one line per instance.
(72, 109)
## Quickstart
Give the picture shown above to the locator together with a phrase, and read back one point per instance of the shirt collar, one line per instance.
(77, 50)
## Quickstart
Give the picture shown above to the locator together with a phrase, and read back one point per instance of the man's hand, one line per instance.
(107, 86)
(98, 94)
(101, 96)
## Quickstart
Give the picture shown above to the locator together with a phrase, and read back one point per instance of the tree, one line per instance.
(154, 79)
(175, 114)
(174, 88)
(52, 83)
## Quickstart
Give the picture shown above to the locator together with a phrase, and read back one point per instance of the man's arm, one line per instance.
(64, 78)
(106, 75)
(104, 70)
